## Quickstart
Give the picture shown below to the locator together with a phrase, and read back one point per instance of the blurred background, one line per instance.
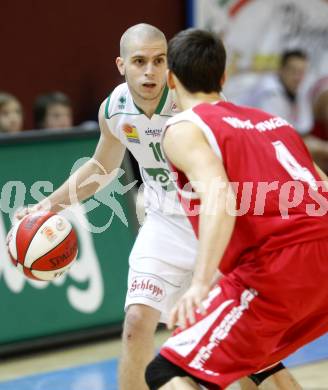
(71, 46)
(57, 66)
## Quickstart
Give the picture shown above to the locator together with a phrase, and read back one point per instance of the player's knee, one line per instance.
(157, 373)
(161, 371)
(136, 324)
(150, 376)
(133, 324)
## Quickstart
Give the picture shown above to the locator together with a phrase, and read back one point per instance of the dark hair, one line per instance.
(43, 102)
(197, 57)
(288, 54)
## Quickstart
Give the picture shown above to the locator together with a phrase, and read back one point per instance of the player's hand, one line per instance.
(183, 312)
(20, 213)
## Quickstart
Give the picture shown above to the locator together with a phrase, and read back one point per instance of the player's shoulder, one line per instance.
(167, 106)
(182, 116)
(203, 110)
(193, 114)
(228, 108)
(119, 101)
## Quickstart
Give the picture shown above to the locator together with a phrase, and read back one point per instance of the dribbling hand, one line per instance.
(21, 212)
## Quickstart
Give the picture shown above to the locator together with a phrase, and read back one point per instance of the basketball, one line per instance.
(42, 245)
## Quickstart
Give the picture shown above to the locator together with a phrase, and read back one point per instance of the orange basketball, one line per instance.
(42, 245)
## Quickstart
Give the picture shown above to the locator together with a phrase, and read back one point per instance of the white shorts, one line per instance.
(157, 284)
(161, 262)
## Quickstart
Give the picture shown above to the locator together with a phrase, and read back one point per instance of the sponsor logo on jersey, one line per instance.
(144, 286)
(174, 108)
(131, 133)
(153, 132)
(162, 176)
(122, 102)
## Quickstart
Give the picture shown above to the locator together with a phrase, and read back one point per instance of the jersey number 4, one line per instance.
(295, 170)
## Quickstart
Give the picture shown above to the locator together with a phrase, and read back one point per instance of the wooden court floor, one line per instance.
(13, 372)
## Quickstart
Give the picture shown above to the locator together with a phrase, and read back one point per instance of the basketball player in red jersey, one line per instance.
(263, 221)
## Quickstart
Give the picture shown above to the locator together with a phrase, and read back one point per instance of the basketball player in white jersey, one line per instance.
(162, 258)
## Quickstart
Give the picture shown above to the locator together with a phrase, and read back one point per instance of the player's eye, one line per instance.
(159, 61)
(138, 61)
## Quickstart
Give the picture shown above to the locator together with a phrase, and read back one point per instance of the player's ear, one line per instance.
(170, 79)
(120, 65)
(223, 79)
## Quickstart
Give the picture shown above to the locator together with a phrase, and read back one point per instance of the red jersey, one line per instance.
(280, 199)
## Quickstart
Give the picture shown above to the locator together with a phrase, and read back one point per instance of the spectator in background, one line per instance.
(11, 114)
(317, 140)
(53, 111)
(279, 93)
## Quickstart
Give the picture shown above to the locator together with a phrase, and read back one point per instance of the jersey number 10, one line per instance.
(156, 148)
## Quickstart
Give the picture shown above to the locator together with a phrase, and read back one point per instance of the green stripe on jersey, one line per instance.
(125, 113)
(162, 101)
(106, 106)
(140, 111)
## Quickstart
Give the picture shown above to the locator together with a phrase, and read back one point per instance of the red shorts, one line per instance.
(256, 316)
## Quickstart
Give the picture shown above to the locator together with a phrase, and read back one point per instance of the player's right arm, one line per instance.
(193, 155)
(95, 172)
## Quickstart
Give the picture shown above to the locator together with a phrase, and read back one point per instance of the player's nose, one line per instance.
(149, 70)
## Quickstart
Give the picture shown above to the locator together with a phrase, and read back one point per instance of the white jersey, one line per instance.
(162, 259)
(142, 135)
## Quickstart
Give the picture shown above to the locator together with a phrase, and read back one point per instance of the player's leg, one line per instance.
(153, 288)
(314, 319)
(276, 378)
(247, 384)
(282, 380)
(233, 339)
(270, 380)
(180, 384)
(162, 374)
(137, 345)
(248, 329)
(301, 334)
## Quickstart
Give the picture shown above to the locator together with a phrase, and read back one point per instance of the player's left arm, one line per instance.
(188, 150)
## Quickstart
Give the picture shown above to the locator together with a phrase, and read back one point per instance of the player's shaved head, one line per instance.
(140, 32)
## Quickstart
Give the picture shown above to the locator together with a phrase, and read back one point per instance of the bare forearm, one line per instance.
(73, 190)
(215, 230)
(207, 175)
